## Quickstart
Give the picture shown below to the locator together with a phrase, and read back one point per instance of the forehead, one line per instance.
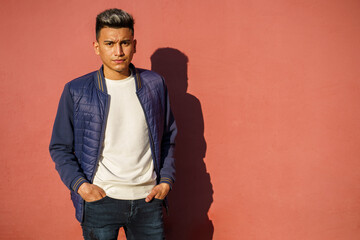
(115, 33)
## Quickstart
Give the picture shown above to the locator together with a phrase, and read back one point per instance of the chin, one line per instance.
(121, 70)
(121, 67)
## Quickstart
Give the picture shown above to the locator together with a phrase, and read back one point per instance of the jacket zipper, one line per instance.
(151, 141)
(100, 146)
(165, 203)
(101, 136)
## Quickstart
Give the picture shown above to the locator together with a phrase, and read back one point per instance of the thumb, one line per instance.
(151, 195)
(101, 191)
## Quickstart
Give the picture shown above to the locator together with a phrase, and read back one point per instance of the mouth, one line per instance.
(119, 60)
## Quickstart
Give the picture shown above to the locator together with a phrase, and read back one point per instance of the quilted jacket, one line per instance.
(79, 127)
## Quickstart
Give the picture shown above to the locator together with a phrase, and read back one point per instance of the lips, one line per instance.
(119, 60)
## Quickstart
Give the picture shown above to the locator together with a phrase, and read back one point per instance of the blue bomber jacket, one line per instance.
(80, 122)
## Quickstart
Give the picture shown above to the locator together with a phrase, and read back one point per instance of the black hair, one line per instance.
(114, 18)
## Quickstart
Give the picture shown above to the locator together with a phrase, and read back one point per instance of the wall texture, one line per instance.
(266, 95)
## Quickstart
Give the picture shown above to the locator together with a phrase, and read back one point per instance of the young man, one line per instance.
(113, 139)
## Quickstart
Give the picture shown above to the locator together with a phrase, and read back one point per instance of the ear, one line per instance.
(135, 45)
(96, 47)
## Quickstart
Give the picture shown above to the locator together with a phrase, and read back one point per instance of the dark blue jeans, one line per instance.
(141, 220)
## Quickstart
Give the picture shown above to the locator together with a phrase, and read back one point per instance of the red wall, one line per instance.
(266, 95)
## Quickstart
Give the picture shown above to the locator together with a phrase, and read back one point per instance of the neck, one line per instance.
(114, 75)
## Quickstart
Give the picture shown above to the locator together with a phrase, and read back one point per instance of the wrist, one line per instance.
(167, 180)
(77, 182)
(82, 188)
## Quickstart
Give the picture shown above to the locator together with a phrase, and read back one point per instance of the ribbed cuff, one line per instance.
(167, 180)
(76, 183)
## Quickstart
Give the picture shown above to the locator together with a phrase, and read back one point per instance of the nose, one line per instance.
(119, 50)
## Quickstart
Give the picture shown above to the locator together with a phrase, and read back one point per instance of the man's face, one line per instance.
(116, 47)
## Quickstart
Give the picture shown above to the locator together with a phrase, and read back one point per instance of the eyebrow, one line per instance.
(124, 40)
(121, 42)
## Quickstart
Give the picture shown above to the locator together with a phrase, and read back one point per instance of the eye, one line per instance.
(108, 43)
(126, 43)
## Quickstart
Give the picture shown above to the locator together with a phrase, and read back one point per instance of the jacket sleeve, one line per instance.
(167, 171)
(62, 143)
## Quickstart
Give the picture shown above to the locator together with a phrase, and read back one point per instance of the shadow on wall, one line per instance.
(191, 197)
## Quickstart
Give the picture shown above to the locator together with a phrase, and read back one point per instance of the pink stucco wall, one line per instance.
(266, 95)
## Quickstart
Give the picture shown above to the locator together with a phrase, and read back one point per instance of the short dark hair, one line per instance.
(114, 18)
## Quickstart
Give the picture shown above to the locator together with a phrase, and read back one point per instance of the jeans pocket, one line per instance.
(158, 201)
(97, 201)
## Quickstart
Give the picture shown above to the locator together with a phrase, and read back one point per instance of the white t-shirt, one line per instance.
(126, 169)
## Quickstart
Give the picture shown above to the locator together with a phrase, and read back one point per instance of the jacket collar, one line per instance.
(100, 79)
